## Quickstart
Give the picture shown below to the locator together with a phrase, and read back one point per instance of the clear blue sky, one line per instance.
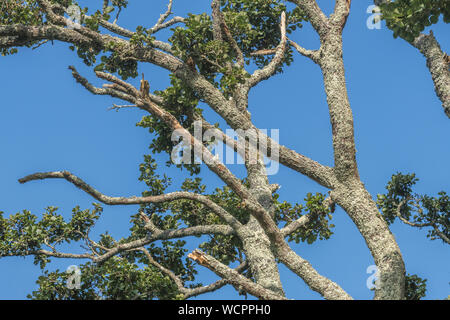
(48, 122)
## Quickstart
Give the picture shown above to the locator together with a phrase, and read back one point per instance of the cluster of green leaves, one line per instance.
(421, 209)
(415, 287)
(113, 57)
(407, 18)
(318, 227)
(22, 234)
(116, 279)
(180, 101)
(212, 57)
(25, 12)
(254, 25)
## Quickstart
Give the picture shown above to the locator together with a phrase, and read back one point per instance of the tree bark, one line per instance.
(438, 64)
(349, 192)
(257, 246)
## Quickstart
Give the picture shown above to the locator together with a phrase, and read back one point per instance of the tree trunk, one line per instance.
(349, 192)
(257, 245)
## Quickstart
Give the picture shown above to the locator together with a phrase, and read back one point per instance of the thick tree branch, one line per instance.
(438, 64)
(19, 35)
(341, 12)
(233, 277)
(318, 19)
(158, 234)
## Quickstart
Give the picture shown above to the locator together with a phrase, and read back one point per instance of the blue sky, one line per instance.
(48, 122)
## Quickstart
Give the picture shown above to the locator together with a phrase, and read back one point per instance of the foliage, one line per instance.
(415, 288)
(418, 209)
(318, 227)
(254, 26)
(21, 234)
(116, 279)
(408, 18)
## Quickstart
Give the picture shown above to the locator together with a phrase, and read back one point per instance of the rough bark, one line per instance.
(257, 245)
(350, 192)
(359, 205)
(438, 65)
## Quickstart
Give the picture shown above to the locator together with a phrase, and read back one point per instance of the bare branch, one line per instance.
(269, 70)
(305, 219)
(54, 254)
(167, 24)
(297, 224)
(117, 107)
(161, 24)
(111, 91)
(165, 15)
(158, 234)
(227, 217)
(441, 234)
(314, 55)
(214, 286)
(164, 270)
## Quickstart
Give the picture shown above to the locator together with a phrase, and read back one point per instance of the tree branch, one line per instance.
(233, 277)
(438, 65)
(227, 217)
(420, 225)
(318, 19)
(188, 293)
(314, 55)
(220, 27)
(341, 12)
(269, 70)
